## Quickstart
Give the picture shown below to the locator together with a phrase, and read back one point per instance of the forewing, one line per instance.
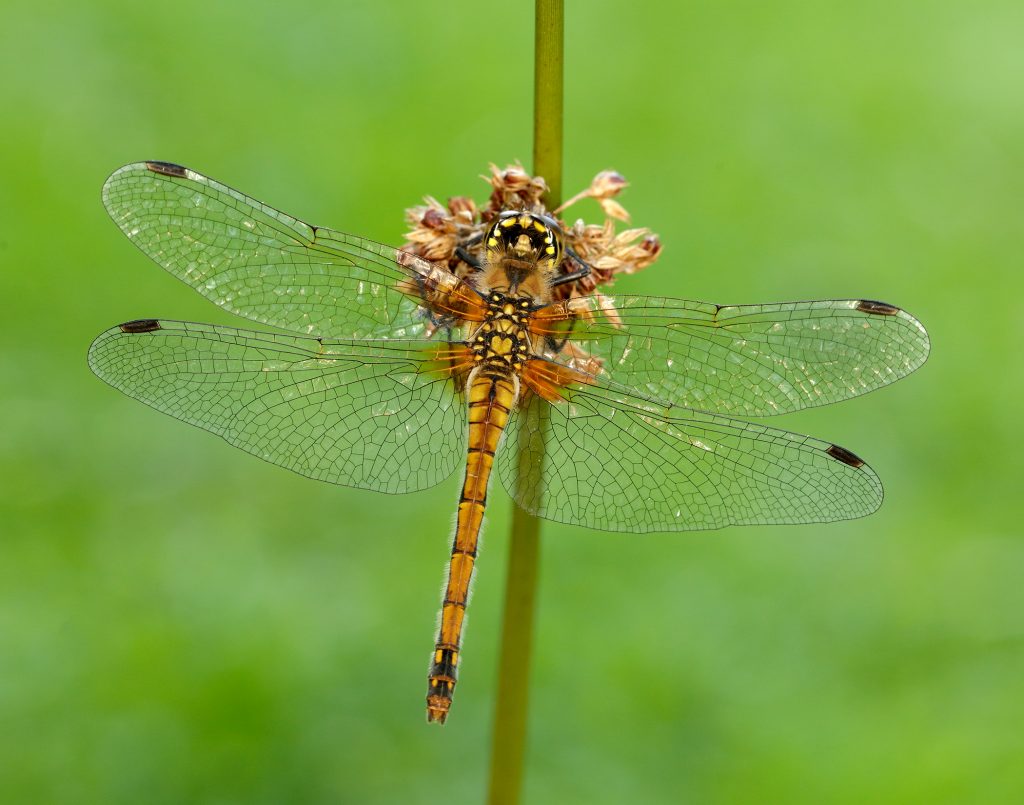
(743, 360)
(607, 461)
(360, 414)
(272, 268)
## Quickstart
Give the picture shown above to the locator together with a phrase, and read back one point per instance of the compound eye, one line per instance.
(506, 221)
(493, 237)
(551, 223)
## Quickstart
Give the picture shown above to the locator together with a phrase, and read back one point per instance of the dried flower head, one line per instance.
(605, 186)
(513, 189)
(438, 232)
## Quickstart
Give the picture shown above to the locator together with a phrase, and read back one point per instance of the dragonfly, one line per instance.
(385, 371)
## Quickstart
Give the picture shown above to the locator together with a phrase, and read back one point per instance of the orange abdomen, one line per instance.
(491, 399)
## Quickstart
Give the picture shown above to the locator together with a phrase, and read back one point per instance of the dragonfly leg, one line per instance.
(583, 271)
(469, 259)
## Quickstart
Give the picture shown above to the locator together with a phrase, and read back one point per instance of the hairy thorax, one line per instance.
(516, 277)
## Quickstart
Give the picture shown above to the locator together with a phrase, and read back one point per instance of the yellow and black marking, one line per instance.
(499, 347)
(526, 236)
(492, 395)
(523, 253)
(502, 343)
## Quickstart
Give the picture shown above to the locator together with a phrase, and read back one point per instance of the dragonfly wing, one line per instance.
(608, 461)
(265, 265)
(362, 414)
(742, 360)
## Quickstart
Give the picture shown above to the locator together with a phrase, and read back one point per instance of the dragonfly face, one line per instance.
(387, 372)
(522, 253)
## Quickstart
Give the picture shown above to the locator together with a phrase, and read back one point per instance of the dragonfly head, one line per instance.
(524, 240)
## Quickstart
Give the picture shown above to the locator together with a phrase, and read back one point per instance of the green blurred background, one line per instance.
(180, 622)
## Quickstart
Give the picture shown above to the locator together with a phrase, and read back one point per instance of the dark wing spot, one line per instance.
(844, 455)
(140, 326)
(878, 308)
(166, 168)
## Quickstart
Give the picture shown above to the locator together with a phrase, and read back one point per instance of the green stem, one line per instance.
(549, 38)
(509, 742)
(508, 748)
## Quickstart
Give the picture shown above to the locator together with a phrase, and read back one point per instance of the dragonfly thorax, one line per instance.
(502, 341)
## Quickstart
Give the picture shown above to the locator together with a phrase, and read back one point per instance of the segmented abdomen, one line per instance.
(491, 399)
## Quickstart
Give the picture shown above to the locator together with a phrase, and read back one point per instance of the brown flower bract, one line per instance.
(437, 230)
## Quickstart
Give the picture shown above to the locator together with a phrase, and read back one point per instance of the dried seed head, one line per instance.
(436, 229)
(603, 188)
(511, 180)
(433, 219)
(463, 208)
(433, 234)
(648, 251)
(607, 184)
(513, 188)
(613, 209)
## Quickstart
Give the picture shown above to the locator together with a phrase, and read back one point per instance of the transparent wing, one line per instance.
(607, 461)
(744, 360)
(347, 412)
(272, 268)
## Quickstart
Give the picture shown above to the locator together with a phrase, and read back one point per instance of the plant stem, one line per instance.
(549, 38)
(508, 747)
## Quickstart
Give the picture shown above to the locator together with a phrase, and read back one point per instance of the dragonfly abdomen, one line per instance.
(491, 399)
